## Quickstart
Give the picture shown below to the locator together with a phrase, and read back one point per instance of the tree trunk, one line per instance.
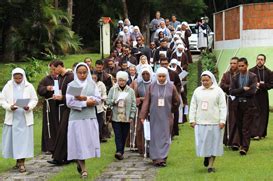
(144, 21)
(70, 8)
(227, 4)
(56, 4)
(8, 51)
(125, 8)
(214, 5)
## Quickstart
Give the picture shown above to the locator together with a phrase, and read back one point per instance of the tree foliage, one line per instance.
(31, 27)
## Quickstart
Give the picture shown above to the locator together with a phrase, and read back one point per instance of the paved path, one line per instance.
(133, 167)
(37, 170)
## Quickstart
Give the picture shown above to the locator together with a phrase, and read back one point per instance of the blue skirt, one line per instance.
(17, 139)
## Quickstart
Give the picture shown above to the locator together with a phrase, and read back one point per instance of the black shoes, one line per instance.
(242, 152)
(58, 163)
(206, 161)
(235, 148)
(55, 162)
(119, 156)
(211, 170)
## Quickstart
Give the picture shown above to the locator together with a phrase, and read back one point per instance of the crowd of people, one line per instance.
(136, 91)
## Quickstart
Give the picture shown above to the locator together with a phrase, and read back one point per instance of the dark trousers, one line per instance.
(100, 122)
(121, 131)
(244, 121)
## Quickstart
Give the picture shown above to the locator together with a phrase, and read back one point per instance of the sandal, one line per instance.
(84, 174)
(22, 169)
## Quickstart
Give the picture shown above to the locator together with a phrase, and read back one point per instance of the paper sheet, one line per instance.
(146, 126)
(122, 96)
(22, 102)
(74, 91)
(186, 110)
(56, 87)
(183, 74)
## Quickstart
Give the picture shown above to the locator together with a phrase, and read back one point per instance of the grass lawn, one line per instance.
(183, 164)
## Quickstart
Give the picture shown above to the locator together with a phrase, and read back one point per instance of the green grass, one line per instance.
(5, 73)
(183, 164)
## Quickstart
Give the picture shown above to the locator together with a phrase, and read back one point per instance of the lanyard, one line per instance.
(243, 83)
(164, 92)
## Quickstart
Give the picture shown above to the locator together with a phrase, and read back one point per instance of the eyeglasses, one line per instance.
(138, 40)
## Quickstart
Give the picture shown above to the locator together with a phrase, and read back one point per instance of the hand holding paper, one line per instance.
(22, 102)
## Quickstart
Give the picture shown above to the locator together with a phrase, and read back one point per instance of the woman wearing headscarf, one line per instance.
(181, 56)
(143, 62)
(122, 100)
(126, 38)
(136, 33)
(141, 86)
(207, 117)
(159, 103)
(83, 132)
(17, 138)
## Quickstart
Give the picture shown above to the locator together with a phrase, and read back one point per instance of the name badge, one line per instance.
(204, 105)
(121, 103)
(161, 102)
(261, 82)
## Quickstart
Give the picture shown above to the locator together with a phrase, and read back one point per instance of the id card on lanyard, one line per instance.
(204, 105)
(161, 100)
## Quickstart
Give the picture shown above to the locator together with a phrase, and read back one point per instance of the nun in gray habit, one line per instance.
(160, 101)
(83, 131)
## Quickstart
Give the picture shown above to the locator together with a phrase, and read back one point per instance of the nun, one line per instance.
(143, 61)
(159, 103)
(207, 116)
(141, 85)
(83, 131)
(17, 138)
(121, 99)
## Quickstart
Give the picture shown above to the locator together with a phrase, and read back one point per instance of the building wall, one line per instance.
(232, 23)
(248, 25)
(258, 16)
(219, 26)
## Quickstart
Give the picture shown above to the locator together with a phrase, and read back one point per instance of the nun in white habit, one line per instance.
(17, 138)
(83, 131)
(207, 117)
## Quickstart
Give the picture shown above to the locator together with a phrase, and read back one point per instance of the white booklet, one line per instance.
(56, 88)
(146, 126)
(74, 91)
(22, 102)
(183, 74)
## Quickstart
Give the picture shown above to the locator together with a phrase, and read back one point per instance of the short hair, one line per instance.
(235, 58)
(86, 59)
(56, 63)
(126, 46)
(99, 62)
(164, 59)
(263, 55)
(243, 59)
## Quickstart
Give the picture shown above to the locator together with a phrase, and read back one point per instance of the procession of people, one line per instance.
(138, 90)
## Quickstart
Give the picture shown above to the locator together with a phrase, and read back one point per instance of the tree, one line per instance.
(32, 28)
(125, 9)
